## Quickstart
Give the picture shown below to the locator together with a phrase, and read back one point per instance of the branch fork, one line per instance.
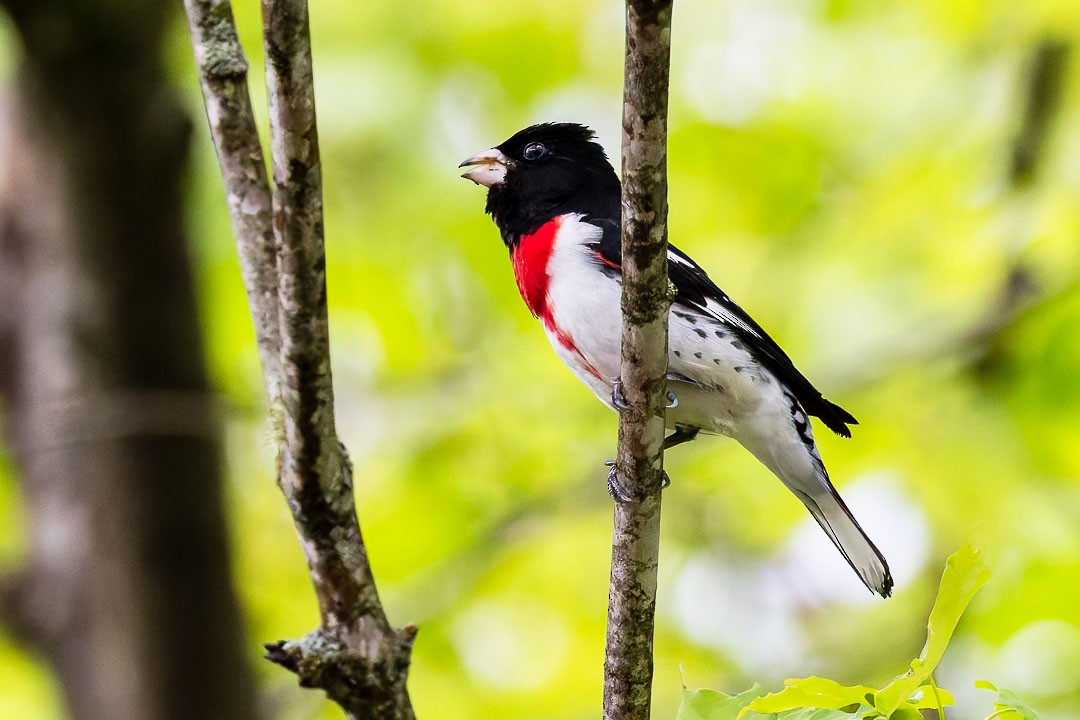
(354, 655)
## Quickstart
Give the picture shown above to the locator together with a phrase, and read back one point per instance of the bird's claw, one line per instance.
(617, 398)
(616, 483)
(616, 487)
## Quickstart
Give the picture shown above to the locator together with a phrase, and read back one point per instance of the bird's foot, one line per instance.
(618, 400)
(617, 486)
(681, 435)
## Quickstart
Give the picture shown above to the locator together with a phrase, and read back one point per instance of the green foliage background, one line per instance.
(840, 167)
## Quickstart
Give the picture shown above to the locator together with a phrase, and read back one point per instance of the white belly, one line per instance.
(723, 383)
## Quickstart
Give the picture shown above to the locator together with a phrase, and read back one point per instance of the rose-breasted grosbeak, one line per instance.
(556, 201)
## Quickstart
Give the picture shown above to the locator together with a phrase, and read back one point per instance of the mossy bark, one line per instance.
(646, 299)
(354, 655)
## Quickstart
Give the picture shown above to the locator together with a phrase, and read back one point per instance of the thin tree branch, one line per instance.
(223, 76)
(1045, 83)
(1022, 291)
(355, 655)
(313, 472)
(646, 299)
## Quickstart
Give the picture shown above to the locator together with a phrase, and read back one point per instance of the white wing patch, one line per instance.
(679, 259)
(713, 307)
(728, 317)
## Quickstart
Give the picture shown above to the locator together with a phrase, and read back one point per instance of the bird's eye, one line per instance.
(534, 151)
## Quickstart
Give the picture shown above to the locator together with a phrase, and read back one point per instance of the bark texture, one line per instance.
(223, 72)
(355, 655)
(125, 591)
(646, 299)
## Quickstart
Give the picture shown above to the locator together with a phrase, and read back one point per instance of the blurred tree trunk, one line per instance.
(126, 590)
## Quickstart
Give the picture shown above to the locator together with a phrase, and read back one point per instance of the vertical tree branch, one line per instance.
(646, 299)
(355, 655)
(1045, 82)
(223, 76)
(1022, 290)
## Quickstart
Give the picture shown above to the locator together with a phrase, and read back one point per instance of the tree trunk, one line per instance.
(126, 590)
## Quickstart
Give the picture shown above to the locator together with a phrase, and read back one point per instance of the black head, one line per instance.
(543, 171)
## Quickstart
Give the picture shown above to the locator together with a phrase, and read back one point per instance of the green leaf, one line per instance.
(929, 702)
(815, 698)
(714, 705)
(812, 692)
(905, 712)
(965, 572)
(809, 713)
(1008, 706)
(1007, 701)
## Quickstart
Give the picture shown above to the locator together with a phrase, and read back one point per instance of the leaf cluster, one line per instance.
(816, 698)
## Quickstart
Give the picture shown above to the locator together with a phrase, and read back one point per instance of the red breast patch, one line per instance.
(530, 259)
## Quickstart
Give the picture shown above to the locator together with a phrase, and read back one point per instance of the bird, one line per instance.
(556, 201)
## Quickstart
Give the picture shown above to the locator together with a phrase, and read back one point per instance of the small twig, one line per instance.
(646, 299)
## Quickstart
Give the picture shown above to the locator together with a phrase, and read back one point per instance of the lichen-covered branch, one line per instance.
(355, 655)
(223, 75)
(646, 298)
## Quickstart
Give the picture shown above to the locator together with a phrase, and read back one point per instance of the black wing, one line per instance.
(695, 290)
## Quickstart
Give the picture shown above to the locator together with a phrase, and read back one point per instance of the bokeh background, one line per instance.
(845, 170)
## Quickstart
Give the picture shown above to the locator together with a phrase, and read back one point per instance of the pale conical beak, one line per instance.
(488, 167)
